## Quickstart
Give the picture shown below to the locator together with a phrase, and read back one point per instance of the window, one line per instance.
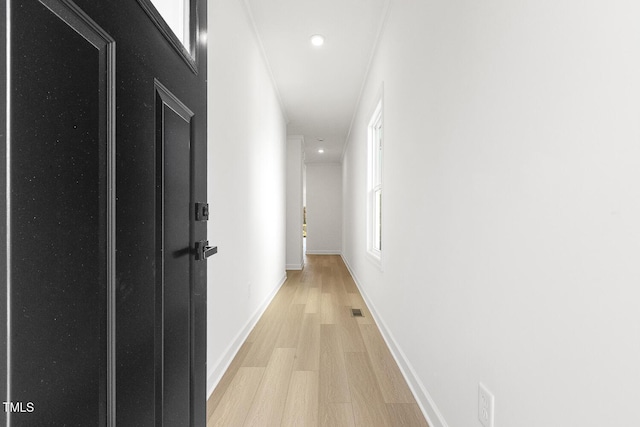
(176, 14)
(177, 20)
(374, 209)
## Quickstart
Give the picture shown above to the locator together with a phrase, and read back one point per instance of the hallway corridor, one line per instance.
(309, 362)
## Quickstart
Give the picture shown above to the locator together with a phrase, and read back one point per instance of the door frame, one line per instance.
(4, 138)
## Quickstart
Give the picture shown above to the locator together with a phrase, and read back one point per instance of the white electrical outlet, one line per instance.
(485, 405)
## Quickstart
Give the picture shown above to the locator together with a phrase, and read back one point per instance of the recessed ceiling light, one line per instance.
(317, 40)
(320, 139)
(321, 151)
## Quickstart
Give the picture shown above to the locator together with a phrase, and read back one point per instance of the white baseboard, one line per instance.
(294, 266)
(222, 364)
(423, 398)
(324, 252)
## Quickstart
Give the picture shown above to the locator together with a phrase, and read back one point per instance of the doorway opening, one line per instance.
(304, 231)
(304, 213)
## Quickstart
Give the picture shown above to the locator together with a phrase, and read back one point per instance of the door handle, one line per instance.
(204, 251)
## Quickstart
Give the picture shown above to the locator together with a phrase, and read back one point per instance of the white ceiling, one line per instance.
(319, 87)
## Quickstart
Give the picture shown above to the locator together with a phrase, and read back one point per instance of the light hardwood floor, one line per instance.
(308, 362)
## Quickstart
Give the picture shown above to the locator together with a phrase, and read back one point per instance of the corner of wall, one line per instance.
(256, 34)
(296, 137)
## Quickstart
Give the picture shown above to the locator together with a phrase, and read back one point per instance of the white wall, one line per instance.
(247, 138)
(294, 258)
(512, 207)
(324, 208)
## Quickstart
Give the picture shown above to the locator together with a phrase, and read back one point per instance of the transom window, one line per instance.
(177, 20)
(176, 14)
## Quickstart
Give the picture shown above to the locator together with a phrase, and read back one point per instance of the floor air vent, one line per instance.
(356, 312)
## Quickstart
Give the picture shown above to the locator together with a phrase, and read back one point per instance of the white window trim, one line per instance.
(375, 180)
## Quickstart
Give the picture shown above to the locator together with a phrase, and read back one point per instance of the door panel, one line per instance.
(60, 201)
(173, 298)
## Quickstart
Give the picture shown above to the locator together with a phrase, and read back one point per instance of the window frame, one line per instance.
(188, 51)
(375, 193)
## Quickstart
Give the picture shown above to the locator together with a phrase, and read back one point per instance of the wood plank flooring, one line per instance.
(308, 362)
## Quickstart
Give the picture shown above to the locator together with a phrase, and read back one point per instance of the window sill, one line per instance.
(375, 259)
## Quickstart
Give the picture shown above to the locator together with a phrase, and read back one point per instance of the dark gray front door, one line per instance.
(102, 303)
